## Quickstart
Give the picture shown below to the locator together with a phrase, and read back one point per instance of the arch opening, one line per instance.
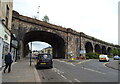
(104, 50)
(88, 47)
(57, 42)
(97, 49)
(108, 51)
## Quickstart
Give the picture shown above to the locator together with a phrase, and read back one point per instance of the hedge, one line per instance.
(92, 56)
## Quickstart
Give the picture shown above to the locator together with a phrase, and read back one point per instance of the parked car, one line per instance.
(44, 60)
(103, 58)
(116, 57)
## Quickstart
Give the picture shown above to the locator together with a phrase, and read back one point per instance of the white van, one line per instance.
(103, 58)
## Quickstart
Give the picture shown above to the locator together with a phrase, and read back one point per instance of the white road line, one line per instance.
(84, 61)
(93, 70)
(66, 62)
(60, 73)
(76, 80)
(57, 70)
(59, 60)
(72, 64)
(64, 77)
(105, 64)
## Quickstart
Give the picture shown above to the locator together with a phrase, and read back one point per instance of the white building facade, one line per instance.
(5, 28)
(1, 42)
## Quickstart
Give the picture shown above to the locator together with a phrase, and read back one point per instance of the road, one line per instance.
(85, 71)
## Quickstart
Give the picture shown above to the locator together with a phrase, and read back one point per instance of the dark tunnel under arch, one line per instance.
(89, 47)
(57, 42)
(104, 50)
(97, 49)
(108, 50)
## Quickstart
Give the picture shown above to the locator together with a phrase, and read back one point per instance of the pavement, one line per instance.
(21, 72)
(113, 64)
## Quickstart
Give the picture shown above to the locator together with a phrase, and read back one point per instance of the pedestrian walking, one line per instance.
(8, 62)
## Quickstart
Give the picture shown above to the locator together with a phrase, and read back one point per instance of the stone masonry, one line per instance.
(64, 41)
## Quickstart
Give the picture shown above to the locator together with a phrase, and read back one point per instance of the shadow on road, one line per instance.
(42, 68)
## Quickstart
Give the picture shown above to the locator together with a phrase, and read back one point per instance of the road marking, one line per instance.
(64, 77)
(59, 60)
(84, 61)
(72, 64)
(57, 70)
(105, 64)
(58, 73)
(66, 62)
(70, 81)
(93, 70)
(76, 80)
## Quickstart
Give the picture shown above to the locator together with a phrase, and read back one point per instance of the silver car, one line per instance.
(116, 57)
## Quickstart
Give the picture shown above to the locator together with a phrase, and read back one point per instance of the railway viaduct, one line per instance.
(62, 40)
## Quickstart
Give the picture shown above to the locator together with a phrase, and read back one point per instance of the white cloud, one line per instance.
(36, 45)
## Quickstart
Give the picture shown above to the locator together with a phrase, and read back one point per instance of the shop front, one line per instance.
(1, 48)
(1, 42)
(6, 46)
(13, 47)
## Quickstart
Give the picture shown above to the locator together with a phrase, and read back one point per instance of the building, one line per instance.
(46, 50)
(14, 47)
(35, 53)
(5, 27)
(1, 41)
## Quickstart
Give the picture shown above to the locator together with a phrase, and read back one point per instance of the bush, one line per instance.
(92, 56)
(110, 56)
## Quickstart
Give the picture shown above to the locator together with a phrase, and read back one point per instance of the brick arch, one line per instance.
(23, 24)
(97, 49)
(88, 47)
(108, 50)
(57, 43)
(104, 50)
(24, 28)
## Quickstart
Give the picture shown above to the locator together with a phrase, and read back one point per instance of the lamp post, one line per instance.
(31, 54)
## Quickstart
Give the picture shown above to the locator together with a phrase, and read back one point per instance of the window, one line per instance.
(7, 11)
(49, 51)
(6, 21)
(7, 15)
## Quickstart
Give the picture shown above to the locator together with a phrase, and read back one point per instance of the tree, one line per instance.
(119, 52)
(114, 51)
(45, 19)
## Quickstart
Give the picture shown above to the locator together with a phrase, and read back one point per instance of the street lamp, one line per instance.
(31, 54)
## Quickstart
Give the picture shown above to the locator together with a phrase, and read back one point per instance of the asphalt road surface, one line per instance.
(84, 71)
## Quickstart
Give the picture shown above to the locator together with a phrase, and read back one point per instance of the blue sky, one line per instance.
(97, 18)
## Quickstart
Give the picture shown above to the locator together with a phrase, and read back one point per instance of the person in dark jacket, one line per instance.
(8, 62)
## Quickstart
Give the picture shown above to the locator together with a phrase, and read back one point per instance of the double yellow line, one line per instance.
(84, 61)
